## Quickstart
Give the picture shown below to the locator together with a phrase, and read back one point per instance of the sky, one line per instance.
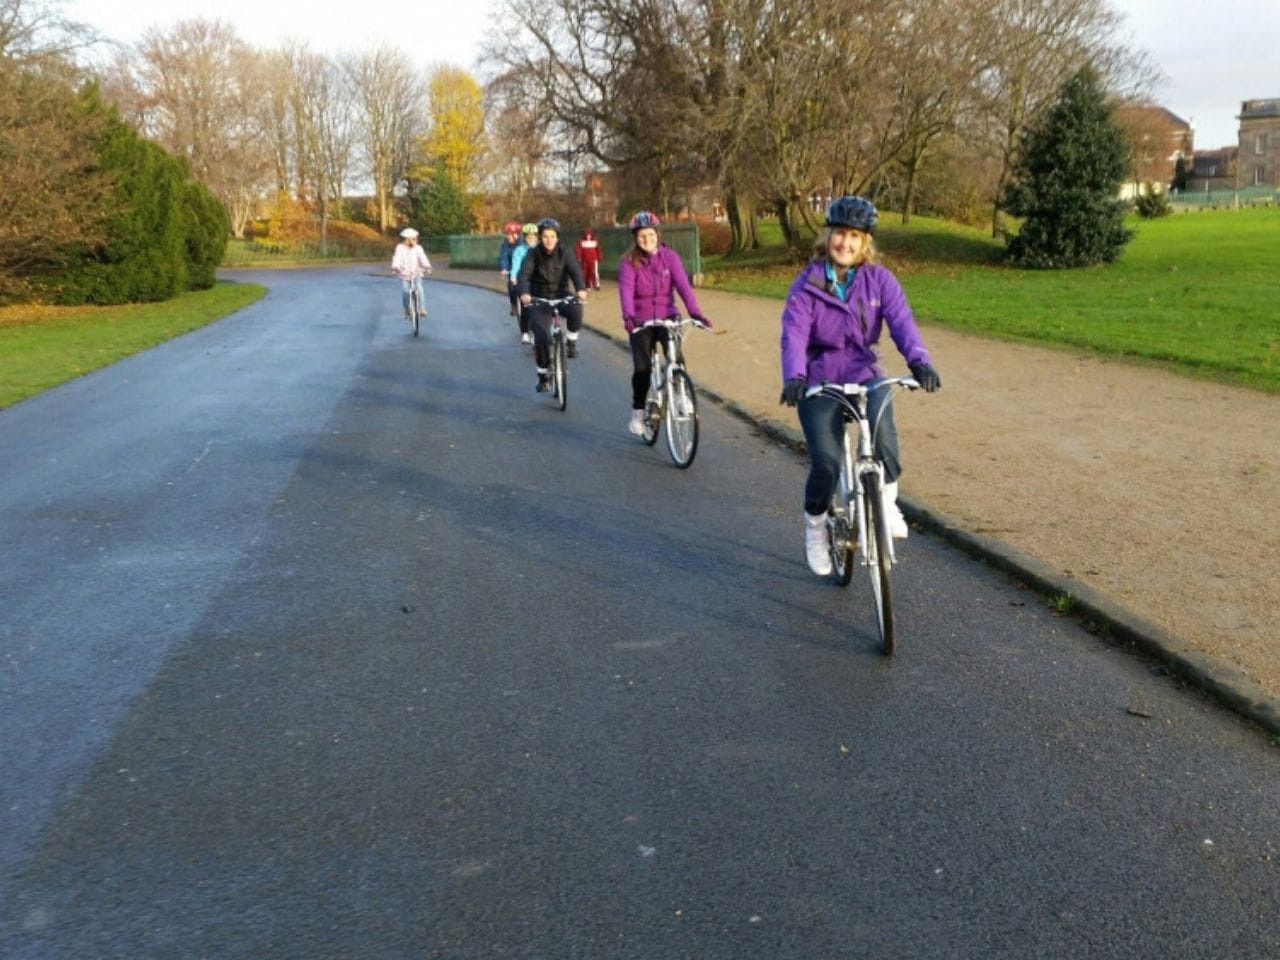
(1212, 55)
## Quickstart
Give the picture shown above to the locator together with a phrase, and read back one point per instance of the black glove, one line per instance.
(926, 376)
(793, 391)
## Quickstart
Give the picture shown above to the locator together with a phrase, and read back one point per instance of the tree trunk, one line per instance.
(742, 221)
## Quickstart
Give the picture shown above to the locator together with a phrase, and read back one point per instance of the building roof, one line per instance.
(1151, 113)
(1250, 109)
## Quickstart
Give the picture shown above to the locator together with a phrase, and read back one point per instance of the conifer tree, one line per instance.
(1067, 180)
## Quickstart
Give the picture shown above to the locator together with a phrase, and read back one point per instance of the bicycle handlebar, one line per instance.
(557, 302)
(858, 390)
(671, 322)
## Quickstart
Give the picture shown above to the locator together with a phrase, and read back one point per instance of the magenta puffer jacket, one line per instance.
(647, 289)
(829, 340)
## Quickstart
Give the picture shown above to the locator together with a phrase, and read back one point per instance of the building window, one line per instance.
(1260, 144)
(1257, 176)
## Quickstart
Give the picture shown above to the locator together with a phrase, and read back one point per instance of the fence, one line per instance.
(1229, 198)
(481, 251)
(244, 253)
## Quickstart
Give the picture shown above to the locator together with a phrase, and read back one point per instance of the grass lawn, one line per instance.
(41, 346)
(1193, 291)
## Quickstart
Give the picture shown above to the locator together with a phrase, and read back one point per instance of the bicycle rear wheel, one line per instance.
(878, 560)
(560, 370)
(682, 419)
(415, 308)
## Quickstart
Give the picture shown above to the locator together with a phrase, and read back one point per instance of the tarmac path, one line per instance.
(320, 641)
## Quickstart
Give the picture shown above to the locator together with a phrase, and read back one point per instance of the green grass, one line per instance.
(254, 253)
(41, 347)
(1193, 292)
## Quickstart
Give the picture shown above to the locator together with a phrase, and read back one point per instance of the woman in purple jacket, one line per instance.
(836, 309)
(650, 274)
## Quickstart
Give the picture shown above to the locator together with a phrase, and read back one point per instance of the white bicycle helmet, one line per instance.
(408, 232)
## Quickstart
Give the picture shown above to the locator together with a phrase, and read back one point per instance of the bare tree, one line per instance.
(321, 107)
(518, 136)
(387, 93)
(32, 32)
(196, 94)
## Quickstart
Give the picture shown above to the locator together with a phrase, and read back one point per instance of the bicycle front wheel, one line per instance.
(682, 419)
(416, 308)
(560, 371)
(841, 538)
(653, 402)
(878, 559)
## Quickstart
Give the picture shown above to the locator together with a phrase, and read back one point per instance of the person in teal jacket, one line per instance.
(530, 234)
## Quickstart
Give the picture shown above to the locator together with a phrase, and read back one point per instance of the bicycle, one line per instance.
(857, 518)
(671, 395)
(559, 367)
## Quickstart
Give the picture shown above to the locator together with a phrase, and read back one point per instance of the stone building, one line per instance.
(1259, 156)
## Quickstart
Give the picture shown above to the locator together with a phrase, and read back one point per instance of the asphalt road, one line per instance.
(319, 641)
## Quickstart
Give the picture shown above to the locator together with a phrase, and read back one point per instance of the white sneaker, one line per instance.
(898, 528)
(636, 425)
(815, 544)
(526, 338)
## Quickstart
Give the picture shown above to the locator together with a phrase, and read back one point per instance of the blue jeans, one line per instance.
(406, 286)
(822, 420)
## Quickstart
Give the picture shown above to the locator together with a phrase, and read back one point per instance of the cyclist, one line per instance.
(546, 272)
(530, 234)
(510, 243)
(589, 257)
(650, 274)
(410, 264)
(836, 309)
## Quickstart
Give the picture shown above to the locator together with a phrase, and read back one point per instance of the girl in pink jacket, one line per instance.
(650, 274)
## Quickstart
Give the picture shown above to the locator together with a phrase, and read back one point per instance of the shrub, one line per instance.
(207, 228)
(143, 254)
(1151, 203)
(714, 238)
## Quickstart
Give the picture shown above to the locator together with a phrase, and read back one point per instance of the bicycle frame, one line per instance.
(660, 375)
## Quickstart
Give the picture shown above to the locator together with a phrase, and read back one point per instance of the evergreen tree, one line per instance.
(440, 208)
(142, 255)
(207, 228)
(1067, 180)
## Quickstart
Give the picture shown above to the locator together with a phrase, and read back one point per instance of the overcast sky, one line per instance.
(1213, 55)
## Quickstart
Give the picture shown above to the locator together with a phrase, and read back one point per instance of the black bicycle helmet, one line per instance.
(856, 212)
(644, 219)
(549, 223)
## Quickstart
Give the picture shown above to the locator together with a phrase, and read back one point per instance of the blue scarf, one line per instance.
(839, 287)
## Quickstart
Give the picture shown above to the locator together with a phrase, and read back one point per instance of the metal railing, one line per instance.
(1227, 197)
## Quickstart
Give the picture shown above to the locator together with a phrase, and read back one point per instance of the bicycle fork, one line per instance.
(867, 464)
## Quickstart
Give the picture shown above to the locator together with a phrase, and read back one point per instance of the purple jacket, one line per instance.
(826, 339)
(647, 289)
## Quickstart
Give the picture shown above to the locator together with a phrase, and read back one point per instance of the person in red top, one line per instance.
(589, 257)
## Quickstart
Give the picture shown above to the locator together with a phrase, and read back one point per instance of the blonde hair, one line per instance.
(869, 252)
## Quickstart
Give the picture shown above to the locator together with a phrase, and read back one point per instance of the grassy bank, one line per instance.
(41, 347)
(1192, 292)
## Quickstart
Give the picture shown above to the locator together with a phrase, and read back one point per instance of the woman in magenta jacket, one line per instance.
(650, 274)
(836, 310)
